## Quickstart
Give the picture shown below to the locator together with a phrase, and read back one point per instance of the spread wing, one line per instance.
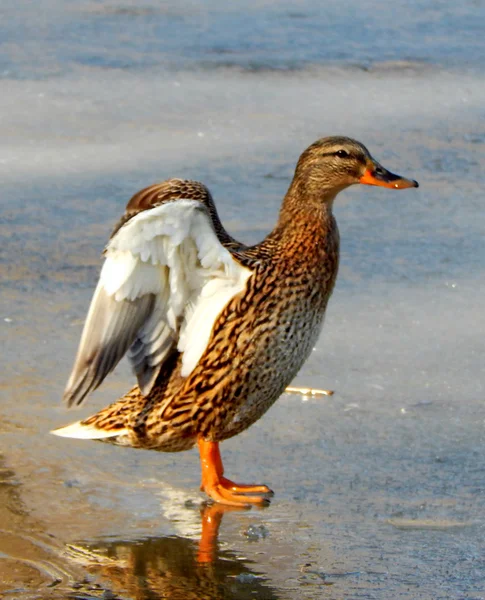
(165, 280)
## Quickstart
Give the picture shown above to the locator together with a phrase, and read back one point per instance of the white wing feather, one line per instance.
(165, 281)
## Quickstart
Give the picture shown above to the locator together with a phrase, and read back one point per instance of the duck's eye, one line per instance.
(342, 154)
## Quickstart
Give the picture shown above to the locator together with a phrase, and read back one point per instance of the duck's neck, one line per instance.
(306, 241)
(305, 215)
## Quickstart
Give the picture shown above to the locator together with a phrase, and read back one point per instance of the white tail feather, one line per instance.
(86, 432)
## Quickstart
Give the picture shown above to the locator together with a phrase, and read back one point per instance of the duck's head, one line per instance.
(331, 164)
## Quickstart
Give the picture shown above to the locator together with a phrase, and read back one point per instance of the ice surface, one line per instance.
(384, 481)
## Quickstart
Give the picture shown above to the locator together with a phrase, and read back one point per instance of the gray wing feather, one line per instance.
(111, 328)
(153, 342)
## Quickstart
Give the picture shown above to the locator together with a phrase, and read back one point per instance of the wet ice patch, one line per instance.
(255, 533)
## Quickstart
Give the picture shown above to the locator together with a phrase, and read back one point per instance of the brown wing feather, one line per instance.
(176, 189)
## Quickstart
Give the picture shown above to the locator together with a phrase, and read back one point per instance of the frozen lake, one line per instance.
(380, 489)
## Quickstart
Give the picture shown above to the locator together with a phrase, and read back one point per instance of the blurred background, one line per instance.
(379, 488)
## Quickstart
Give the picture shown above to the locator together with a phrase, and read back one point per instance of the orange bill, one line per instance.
(377, 175)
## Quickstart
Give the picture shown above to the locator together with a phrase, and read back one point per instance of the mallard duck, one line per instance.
(214, 330)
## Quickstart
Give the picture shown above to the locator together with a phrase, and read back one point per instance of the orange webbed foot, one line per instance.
(223, 490)
(220, 494)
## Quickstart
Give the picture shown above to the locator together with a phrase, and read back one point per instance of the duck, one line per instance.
(215, 330)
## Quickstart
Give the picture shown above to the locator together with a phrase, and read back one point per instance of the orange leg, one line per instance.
(223, 490)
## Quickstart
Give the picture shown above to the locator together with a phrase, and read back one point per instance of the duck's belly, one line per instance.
(272, 364)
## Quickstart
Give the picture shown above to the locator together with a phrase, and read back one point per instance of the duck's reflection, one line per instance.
(176, 567)
(211, 517)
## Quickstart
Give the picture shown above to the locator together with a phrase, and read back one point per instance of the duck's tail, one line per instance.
(109, 424)
(81, 430)
(123, 424)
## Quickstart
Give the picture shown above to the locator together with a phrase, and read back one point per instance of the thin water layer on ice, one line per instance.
(379, 488)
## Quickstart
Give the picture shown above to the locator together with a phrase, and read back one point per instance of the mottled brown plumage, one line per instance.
(264, 334)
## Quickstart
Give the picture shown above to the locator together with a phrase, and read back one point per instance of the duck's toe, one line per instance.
(228, 496)
(244, 488)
